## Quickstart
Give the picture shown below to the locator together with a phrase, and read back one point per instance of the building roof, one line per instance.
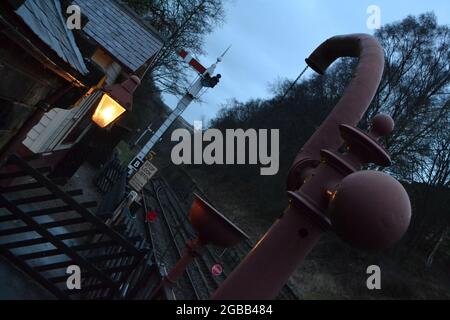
(46, 20)
(117, 30)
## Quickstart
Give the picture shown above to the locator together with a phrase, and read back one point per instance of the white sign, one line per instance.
(142, 176)
(136, 163)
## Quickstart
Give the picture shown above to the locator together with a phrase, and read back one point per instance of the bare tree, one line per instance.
(183, 24)
(417, 69)
(414, 91)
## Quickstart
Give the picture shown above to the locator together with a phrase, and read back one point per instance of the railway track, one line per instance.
(173, 248)
(199, 282)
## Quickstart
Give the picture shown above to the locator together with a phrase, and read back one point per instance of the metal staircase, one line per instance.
(43, 230)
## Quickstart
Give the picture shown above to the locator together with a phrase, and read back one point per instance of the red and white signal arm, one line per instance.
(187, 57)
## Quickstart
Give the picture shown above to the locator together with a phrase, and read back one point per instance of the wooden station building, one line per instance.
(51, 77)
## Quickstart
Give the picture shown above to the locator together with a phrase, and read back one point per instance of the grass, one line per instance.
(124, 152)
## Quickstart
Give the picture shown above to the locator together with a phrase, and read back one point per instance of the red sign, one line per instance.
(217, 269)
(151, 216)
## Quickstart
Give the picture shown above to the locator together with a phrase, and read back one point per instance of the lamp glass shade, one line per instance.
(107, 111)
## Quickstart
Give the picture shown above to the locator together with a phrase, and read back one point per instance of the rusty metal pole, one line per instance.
(353, 103)
(368, 209)
(193, 250)
(268, 266)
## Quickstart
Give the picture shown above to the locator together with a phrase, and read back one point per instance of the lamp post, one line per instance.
(115, 101)
(368, 209)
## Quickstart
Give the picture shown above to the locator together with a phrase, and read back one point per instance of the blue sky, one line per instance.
(271, 38)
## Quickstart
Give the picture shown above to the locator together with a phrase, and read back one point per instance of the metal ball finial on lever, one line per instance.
(368, 209)
(382, 125)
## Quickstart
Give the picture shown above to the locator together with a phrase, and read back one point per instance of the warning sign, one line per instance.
(142, 176)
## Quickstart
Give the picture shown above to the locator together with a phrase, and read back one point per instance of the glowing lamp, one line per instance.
(116, 99)
(107, 111)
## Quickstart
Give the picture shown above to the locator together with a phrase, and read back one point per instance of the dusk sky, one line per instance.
(270, 40)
